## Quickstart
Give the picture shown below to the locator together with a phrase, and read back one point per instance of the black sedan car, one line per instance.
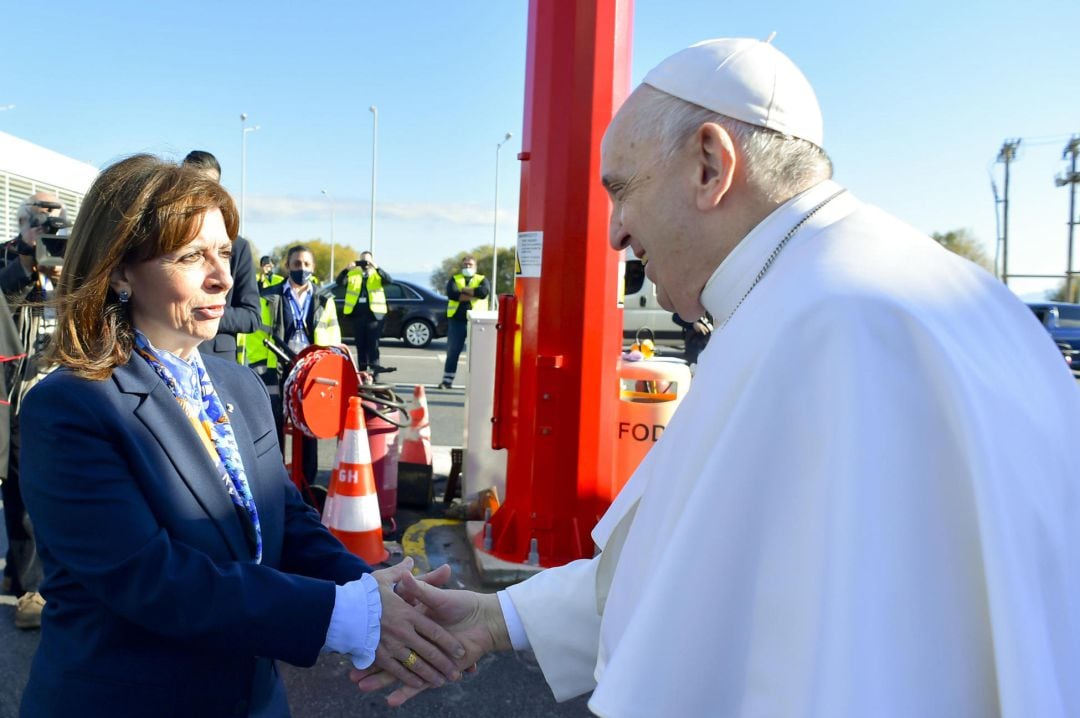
(416, 314)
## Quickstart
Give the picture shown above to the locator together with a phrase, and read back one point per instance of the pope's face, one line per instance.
(178, 299)
(652, 210)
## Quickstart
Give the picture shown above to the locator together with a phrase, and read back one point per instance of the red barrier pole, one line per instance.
(558, 422)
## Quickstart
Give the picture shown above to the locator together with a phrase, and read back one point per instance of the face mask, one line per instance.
(467, 272)
(300, 277)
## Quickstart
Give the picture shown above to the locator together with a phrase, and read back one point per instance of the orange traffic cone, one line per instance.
(416, 439)
(416, 479)
(331, 487)
(352, 506)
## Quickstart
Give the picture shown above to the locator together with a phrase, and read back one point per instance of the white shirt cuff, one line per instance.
(354, 624)
(518, 638)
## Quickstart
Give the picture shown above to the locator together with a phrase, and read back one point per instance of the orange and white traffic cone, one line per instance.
(416, 438)
(331, 488)
(352, 506)
(415, 474)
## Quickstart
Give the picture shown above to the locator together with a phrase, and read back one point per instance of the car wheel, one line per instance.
(417, 333)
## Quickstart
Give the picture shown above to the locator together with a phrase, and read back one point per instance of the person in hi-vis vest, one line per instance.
(256, 355)
(297, 315)
(267, 276)
(465, 291)
(365, 303)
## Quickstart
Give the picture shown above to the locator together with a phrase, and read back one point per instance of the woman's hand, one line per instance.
(474, 618)
(413, 648)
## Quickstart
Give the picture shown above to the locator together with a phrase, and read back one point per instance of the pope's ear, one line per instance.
(715, 153)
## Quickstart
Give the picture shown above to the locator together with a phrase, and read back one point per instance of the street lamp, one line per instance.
(244, 130)
(1071, 178)
(331, 198)
(495, 230)
(374, 163)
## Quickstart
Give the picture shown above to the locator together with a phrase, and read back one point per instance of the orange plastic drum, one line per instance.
(649, 392)
(317, 390)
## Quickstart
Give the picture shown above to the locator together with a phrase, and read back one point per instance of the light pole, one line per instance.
(244, 130)
(331, 198)
(495, 230)
(1071, 178)
(1006, 156)
(374, 163)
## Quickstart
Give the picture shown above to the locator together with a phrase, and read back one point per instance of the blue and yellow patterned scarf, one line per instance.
(189, 383)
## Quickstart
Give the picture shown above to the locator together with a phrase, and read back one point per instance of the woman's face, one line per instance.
(178, 299)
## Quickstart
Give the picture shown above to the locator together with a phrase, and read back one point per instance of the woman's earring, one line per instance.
(125, 296)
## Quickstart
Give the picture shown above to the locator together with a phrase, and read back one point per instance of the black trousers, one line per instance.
(367, 330)
(23, 564)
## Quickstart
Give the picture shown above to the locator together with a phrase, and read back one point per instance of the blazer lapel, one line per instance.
(165, 420)
(244, 440)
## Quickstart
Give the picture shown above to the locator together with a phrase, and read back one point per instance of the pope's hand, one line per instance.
(413, 648)
(476, 619)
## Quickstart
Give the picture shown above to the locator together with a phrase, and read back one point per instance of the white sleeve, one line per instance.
(557, 608)
(355, 622)
(518, 638)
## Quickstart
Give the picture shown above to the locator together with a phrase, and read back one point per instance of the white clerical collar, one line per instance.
(738, 272)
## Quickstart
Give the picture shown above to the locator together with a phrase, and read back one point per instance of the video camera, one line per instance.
(51, 245)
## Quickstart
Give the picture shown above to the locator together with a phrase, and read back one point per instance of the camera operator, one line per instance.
(32, 262)
(365, 303)
(41, 215)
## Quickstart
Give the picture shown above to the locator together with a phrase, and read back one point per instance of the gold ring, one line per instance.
(410, 660)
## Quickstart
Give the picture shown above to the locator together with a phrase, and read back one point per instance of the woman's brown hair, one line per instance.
(137, 209)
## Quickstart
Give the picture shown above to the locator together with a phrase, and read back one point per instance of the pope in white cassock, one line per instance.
(891, 523)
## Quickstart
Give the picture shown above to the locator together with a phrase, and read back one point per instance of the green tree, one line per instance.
(343, 257)
(1058, 295)
(964, 243)
(452, 265)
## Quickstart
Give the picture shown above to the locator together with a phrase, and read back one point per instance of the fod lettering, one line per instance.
(640, 432)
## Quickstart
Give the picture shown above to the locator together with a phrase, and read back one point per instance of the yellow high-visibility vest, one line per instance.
(472, 283)
(254, 349)
(270, 281)
(354, 283)
(326, 331)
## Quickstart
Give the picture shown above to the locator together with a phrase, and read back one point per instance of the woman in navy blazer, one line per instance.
(180, 561)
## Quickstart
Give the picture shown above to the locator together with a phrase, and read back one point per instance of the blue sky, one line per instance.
(917, 99)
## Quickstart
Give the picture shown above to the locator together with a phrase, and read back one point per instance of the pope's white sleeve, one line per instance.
(557, 608)
(518, 638)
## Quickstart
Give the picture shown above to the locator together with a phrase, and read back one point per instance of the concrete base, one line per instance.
(494, 571)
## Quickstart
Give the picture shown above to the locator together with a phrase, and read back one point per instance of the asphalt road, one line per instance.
(505, 685)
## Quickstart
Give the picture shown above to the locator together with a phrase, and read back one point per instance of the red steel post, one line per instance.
(557, 392)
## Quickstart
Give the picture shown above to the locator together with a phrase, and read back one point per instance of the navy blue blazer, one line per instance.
(154, 605)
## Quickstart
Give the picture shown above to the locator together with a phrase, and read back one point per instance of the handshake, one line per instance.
(429, 635)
